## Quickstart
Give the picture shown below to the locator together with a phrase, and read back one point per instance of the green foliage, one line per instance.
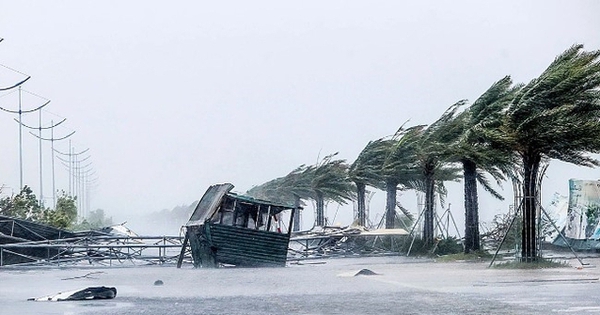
(26, 206)
(470, 142)
(447, 246)
(325, 181)
(329, 178)
(22, 206)
(367, 168)
(285, 190)
(512, 237)
(401, 165)
(65, 213)
(556, 114)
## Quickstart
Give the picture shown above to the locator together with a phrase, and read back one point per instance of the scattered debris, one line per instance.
(366, 272)
(330, 241)
(579, 221)
(85, 276)
(24, 242)
(90, 293)
(362, 272)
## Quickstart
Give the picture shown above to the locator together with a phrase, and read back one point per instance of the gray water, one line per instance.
(402, 286)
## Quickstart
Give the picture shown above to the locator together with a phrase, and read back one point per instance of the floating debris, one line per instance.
(90, 293)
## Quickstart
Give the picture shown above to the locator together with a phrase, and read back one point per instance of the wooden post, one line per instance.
(182, 252)
(292, 221)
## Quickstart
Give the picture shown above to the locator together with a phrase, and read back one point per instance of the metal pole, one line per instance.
(70, 167)
(53, 178)
(41, 170)
(20, 145)
(51, 139)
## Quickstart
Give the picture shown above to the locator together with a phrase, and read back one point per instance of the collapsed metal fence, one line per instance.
(102, 250)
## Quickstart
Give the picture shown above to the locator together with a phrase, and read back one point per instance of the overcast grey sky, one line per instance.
(171, 97)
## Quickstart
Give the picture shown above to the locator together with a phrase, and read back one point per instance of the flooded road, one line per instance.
(402, 286)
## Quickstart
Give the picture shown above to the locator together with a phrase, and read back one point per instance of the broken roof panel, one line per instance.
(209, 203)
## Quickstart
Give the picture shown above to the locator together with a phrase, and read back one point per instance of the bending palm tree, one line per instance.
(555, 116)
(400, 167)
(430, 146)
(329, 181)
(366, 171)
(476, 155)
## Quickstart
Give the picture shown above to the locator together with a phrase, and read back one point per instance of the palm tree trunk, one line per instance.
(296, 214)
(361, 204)
(429, 214)
(471, 207)
(531, 164)
(320, 209)
(390, 204)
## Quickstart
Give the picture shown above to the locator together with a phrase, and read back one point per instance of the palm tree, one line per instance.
(365, 170)
(329, 181)
(400, 167)
(430, 145)
(476, 155)
(554, 116)
(290, 189)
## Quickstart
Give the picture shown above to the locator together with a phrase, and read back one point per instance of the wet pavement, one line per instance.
(402, 286)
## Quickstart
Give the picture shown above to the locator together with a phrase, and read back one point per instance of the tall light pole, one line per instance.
(52, 139)
(20, 112)
(71, 164)
(6, 88)
(40, 138)
(79, 173)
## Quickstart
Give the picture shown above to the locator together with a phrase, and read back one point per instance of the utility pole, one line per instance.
(84, 182)
(52, 139)
(71, 162)
(74, 166)
(80, 173)
(6, 88)
(40, 138)
(20, 112)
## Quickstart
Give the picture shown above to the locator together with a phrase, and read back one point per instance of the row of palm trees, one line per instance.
(509, 132)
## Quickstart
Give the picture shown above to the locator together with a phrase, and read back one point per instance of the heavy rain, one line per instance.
(268, 157)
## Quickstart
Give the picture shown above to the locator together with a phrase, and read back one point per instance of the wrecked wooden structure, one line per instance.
(231, 229)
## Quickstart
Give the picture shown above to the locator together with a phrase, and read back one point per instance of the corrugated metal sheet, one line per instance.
(14, 230)
(209, 203)
(247, 247)
(30, 231)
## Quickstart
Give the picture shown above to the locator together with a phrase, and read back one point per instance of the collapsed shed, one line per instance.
(231, 229)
